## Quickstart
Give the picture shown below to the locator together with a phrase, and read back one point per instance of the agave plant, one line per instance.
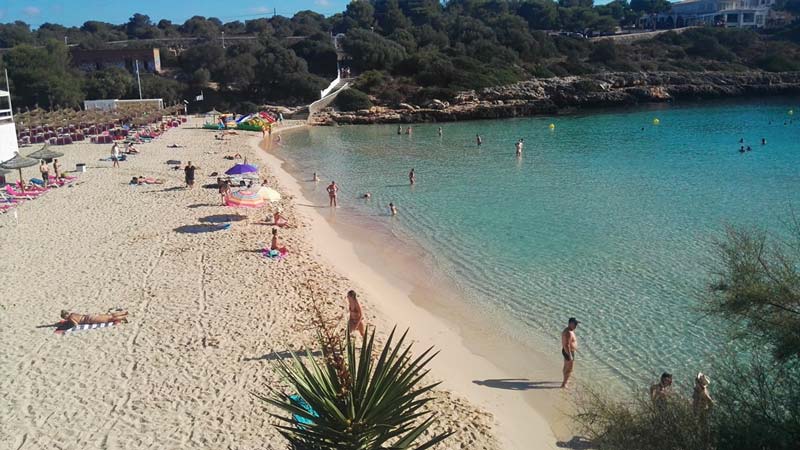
(354, 401)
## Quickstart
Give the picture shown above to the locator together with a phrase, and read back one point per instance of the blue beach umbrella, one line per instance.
(240, 169)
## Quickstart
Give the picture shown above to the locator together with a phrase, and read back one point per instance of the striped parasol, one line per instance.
(245, 199)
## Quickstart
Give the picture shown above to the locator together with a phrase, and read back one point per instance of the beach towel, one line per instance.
(275, 254)
(64, 328)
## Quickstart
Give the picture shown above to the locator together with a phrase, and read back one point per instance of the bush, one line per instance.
(352, 100)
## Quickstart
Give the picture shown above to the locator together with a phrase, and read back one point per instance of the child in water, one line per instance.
(392, 209)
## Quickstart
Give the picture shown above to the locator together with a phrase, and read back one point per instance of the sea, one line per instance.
(612, 217)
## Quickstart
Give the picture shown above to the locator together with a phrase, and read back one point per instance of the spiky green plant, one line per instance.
(361, 402)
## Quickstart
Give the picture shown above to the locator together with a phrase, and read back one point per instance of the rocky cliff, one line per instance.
(558, 95)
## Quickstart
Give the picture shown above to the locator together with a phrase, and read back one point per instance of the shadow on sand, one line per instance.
(201, 228)
(517, 384)
(223, 218)
(576, 443)
(275, 356)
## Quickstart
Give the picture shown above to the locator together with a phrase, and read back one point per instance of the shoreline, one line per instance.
(579, 94)
(488, 369)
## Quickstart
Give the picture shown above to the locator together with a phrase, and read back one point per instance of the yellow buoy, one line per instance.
(552, 126)
(656, 121)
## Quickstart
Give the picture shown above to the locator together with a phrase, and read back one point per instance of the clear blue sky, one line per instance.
(76, 12)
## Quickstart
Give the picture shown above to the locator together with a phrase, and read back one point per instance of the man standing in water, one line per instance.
(333, 190)
(569, 344)
(519, 148)
(478, 139)
(412, 178)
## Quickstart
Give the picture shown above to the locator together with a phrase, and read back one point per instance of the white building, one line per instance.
(8, 132)
(720, 13)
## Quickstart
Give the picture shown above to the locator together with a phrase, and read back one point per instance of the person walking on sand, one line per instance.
(569, 345)
(115, 155)
(412, 178)
(45, 171)
(189, 174)
(333, 191)
(56, 169)
(224, 188)
(356, 316)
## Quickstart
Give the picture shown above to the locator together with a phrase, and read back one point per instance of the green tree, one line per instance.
(139, 26)
(109, 83)
(362, 14)
(12, 34)
(650, 6)
(352, 100)
(42, 76)
(372, 51)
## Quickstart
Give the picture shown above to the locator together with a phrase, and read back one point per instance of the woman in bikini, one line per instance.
(356, 320)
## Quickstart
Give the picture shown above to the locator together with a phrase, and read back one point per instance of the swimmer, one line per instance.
(763, 141)
(741, 149)
(316, 177)
(412, 178)
(366, 195)
(399, 130)
(519, 145)
(409, 131)
(392, 209)
(749, 149)
(440, 131)
(478, 139)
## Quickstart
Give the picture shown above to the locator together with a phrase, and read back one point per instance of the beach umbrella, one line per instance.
(19, 162)
(240, 169)
(45, 153)
(269, 194)
(244, 199)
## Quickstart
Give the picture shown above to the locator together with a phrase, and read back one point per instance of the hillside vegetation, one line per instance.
(404, 50)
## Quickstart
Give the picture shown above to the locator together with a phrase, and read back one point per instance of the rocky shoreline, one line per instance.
(552, 96)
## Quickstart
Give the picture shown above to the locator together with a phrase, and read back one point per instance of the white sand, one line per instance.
(206, 310)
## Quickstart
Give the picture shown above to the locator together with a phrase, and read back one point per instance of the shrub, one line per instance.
(352, 100)
(352, 400)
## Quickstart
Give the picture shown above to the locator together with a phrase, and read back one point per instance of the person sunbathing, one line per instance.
(76, 319)
(278, 220)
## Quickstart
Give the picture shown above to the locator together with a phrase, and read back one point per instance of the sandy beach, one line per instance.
(208, 313)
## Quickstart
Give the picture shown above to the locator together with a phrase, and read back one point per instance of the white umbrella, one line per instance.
(269, 194)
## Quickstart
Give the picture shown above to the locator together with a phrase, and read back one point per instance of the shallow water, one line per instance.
(607, 218)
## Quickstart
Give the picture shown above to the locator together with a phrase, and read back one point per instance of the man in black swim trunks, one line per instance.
(569, 344)
(189, 170)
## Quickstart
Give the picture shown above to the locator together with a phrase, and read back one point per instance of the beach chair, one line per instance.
(29, 195)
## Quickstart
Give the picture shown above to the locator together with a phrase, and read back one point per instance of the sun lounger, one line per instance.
(23, 195)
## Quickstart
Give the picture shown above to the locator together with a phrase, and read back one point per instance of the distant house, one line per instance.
(90, 60)
(720, 13)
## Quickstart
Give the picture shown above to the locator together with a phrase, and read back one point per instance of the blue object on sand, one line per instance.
(240, 169)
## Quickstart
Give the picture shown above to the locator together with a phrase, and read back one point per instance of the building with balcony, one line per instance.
(719, 13)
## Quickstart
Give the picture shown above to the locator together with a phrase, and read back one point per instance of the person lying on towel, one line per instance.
(85, 319)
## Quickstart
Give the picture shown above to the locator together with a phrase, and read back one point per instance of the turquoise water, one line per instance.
(608, 218)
